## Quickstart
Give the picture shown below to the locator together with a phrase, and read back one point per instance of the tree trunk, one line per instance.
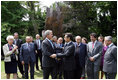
(32, 16)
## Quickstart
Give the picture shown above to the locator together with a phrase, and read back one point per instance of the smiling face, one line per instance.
(93, 39)
(10, 41)
(60, 40)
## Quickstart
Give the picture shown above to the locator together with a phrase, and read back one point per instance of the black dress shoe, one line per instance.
(37, 69)
(23, 76)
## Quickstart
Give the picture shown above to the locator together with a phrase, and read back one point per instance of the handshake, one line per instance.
(53, 56)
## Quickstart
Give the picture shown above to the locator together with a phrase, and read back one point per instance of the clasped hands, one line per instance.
(91, 59)
(53, 56)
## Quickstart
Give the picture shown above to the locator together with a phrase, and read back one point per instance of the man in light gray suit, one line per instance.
(110, 59)
(94, 56)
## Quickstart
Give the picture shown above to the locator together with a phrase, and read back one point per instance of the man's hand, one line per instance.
(53, 56)
(36, 51)
(22, 62)
(91, 59)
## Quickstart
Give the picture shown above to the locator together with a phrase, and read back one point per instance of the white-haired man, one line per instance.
(110, 59)
(27, 56)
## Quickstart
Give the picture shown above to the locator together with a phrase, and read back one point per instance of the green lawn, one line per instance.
(37, 74)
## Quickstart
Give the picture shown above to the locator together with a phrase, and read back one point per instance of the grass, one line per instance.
(37, 74)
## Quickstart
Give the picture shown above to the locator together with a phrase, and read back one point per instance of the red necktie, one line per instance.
(93, 45)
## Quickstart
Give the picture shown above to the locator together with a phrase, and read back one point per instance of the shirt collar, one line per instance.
(16, 39)
(28, 43)
(110, 45)
(79, 43)
(37, 39)
(95, 42)
(69, 42)
(47, 39)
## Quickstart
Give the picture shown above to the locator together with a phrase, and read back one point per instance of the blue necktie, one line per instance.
(51, 43)
(28, 46)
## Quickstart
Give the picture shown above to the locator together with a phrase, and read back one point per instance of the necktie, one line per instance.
(15, 41)
(28, 46)
(60, 45)
(38, 44)
(92, 44)
(51, 44)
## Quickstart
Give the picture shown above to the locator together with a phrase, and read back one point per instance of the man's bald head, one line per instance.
(28, 39)
(60, 40)
(78, 39)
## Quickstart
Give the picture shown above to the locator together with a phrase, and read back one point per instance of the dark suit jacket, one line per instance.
(26, 55)
(68, 57)
(47, 51)
(59, 49)
(82, 53)
(37, 45)
(19, 43)
(110, 60)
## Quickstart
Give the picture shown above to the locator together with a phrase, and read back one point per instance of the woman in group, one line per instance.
(101, 39)
(10, 53)
(84, 40)
(83, 76)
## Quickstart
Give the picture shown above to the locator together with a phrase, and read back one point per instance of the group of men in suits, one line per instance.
(29, 53)
(94, 53)
(67, 59)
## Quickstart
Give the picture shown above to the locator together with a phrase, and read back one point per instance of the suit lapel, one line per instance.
(17, 42)
(80, 48)
(95, 46)
(49, 43)
(109, 48)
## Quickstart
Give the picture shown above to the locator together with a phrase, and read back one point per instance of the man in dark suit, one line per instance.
(80, 55)
(48, 63)
(59, 49)
(27, 56)
(18, 43)
(38, 44)
(110, 59)
(94, 57)
(68, 57)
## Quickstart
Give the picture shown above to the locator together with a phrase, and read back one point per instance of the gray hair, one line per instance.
(77, 37)
(109, 38)
(37, 35)
(28, 37)
(54, 37)
(9, 37)
(15, 33)
(47, 32)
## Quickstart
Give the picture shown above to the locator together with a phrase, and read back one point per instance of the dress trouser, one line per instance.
(31, 70)
(38, 55)
(92, 71)
(50, 70)
(110, 75)
(20, 66)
